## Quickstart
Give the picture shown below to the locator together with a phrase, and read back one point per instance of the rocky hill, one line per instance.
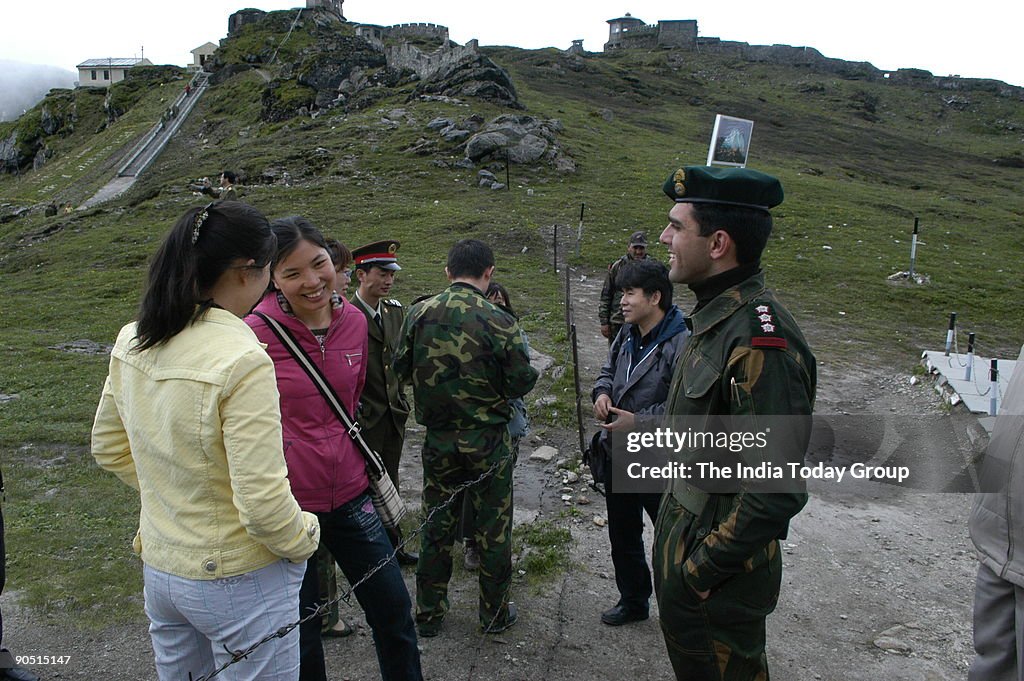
(425, 141)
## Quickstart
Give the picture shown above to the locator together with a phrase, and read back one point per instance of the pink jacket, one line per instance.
(325, 467)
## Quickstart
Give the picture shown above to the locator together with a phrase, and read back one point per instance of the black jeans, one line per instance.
(354, 536)
(626, 534)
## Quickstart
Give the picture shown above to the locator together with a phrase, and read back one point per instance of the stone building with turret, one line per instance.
(630, 32)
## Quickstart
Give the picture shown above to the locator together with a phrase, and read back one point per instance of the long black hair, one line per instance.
(199, 248)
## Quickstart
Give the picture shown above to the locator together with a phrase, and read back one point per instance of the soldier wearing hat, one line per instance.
(717, 559)
(609, 313)
(383, 408)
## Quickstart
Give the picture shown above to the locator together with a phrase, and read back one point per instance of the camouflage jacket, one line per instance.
(746, 356)
(465, 358)
(609, 310)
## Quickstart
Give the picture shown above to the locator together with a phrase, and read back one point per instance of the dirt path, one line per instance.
(876, 586)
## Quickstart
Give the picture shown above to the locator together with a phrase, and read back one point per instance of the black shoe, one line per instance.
(18, 674)
(407, 557)
(430, 628)
(622, 614)
(511, 617)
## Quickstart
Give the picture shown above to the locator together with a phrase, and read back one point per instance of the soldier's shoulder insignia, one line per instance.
(765, 328)
(393, 302)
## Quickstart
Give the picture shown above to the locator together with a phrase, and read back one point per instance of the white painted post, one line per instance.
(949, 334)
(970, 356)
(913, 250)
(993, 376)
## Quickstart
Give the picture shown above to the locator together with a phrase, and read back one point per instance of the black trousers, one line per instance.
(626, 534)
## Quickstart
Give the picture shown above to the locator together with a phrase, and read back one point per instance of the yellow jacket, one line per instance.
(194, 425)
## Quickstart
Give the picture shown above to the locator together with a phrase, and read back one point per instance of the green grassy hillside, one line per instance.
(859, 159)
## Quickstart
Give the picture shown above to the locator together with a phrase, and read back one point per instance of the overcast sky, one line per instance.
(974, 39)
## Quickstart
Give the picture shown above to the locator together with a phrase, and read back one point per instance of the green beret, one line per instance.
(729, 186)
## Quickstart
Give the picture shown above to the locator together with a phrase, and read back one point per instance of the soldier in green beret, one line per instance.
(383, 409)
(466, 358)
(609, 312)
(717, 559)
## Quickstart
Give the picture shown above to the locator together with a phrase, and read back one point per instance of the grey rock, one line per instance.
(544, 454)
(9, 155)
(465, 163)
(498, 185)
(485, 144)
(440, 123)
(529, 149)
(486, 175)
(565, 165)
(486, 184)
(455, 135)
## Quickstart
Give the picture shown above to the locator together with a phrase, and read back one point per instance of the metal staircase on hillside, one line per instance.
(145, 152)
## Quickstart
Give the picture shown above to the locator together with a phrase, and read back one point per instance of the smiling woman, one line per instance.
(326, 470)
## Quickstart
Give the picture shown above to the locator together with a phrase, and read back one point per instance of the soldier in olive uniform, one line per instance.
(609, 312)
(382, 407)
(717, 560)
(466, 358)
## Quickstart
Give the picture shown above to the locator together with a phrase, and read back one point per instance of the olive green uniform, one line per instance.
(746, 357)
(383, 409)
(465, 358)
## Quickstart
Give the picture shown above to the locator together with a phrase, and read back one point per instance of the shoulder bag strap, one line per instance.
(373, 460)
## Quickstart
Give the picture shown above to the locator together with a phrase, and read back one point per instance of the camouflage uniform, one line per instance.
(746, 356)
(609, 310)
(465, 359)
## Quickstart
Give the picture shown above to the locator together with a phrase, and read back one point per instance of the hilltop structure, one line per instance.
(201, 55)
(630, 32)
(106, 71)
(330, 5)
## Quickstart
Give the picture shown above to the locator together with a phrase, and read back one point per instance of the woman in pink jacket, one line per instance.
(326, 469)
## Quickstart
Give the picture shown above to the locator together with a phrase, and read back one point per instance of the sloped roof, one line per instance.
(205, 47)
(110, 62)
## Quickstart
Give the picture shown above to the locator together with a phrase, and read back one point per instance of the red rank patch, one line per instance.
(768, 342)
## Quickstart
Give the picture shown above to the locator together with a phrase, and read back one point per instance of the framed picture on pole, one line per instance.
(730, 141)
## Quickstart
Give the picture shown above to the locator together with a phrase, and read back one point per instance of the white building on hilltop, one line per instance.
(106, 71)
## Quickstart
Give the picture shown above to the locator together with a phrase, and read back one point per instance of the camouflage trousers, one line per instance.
(721, 638)
(451, 459)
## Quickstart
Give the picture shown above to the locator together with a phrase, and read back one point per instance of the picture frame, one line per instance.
(730, 141)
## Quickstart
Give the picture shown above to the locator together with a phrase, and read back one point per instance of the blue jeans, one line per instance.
(354, 536)
(192, 621)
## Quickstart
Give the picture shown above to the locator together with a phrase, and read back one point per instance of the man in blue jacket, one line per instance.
(631, 391)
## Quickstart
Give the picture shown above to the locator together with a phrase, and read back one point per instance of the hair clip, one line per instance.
(200, 219)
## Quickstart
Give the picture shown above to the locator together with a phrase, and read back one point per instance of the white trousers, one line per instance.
(998, 629)
(193, 620)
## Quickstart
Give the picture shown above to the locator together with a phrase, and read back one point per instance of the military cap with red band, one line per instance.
(381, 254)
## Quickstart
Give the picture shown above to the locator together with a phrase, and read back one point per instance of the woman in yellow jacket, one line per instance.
(189, 416)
